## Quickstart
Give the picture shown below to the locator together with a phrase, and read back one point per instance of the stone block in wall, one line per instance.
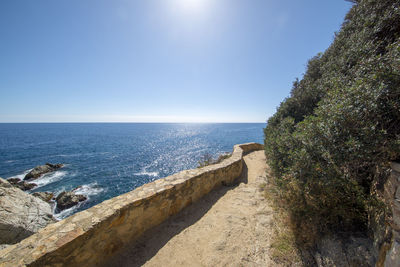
(390, 188)
(396, 214)
(395, 201)
(392, 199)
(393, 255)
(395, 166)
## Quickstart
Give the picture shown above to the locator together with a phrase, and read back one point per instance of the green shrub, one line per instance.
(330, 142)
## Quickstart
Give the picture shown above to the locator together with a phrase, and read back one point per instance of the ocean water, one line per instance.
(109, 159)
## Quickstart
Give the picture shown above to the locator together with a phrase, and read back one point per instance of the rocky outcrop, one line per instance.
(345, 251)
(24, 186)
(5, 184)
(43, 169)
(13, 181)
(68, 199)
(21, 214)
(45, 196)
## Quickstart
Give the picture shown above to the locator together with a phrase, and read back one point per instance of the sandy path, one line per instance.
(228, 227)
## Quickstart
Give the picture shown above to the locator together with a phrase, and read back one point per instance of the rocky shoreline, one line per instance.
(42, 169)
(23, 214)
(26, 183)
(64, 200)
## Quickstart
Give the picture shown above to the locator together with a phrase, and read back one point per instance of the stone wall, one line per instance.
(392, 200)
(89, 237)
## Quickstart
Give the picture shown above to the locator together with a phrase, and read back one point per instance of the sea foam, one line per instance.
(21, 175)
(65, 213)
(89, 189)
(146, 173)
(49, 178)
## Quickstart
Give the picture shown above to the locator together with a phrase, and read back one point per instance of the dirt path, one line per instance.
(228, 227)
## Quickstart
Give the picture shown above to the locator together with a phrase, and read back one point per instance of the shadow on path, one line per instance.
(140, 251)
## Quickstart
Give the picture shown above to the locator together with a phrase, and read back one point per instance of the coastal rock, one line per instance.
(13, 181)
(77, 188)
(45, 196)
(5, 184)
(24, 186)
(68, 199)
(21, 214)
(43, 169)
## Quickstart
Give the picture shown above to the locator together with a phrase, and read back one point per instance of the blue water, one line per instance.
(109, 159)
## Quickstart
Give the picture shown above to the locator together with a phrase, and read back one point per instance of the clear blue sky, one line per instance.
(156, 60)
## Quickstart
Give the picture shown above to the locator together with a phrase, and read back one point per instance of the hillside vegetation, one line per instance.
(330, 142)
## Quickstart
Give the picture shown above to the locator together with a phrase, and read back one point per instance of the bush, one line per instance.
(330, 142)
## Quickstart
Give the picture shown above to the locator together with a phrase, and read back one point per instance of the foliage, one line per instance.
(330, 142)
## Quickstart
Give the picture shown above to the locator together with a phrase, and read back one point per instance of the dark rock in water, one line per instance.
(68, 199)
(40, 170)
(45, 196)
(13, 181)
(21, 214)
(21, 184)
(76, 188)
(55, 166)
(24, 186)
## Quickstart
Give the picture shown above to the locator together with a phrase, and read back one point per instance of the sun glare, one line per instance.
(191, 7)
(192, 4)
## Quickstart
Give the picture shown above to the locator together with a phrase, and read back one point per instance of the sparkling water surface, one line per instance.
(109, 159)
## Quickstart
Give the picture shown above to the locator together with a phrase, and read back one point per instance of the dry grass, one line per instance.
(284, 251)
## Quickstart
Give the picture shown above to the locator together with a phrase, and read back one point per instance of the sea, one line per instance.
(108, 159)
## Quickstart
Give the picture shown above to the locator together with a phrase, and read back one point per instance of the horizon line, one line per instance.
(143, 122)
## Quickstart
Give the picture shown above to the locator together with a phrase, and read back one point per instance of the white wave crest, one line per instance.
(49, 178)
(89, 189)
(86, 190)
(21, 175)
(65, 213)
(146, 173)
